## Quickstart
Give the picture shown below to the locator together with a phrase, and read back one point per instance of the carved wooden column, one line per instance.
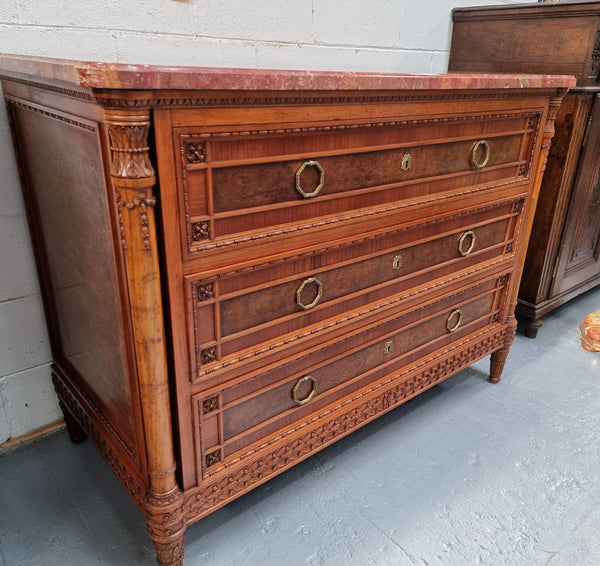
(133, 178)
(498, 358)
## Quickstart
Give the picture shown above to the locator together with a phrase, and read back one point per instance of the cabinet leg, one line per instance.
(170, 552)
(166, 527)
(76, 434)
(497, 361)
(532, 325)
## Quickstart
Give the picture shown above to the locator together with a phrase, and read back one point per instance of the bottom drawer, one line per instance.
(243, 413)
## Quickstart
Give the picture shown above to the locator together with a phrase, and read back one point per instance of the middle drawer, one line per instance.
(240, 316)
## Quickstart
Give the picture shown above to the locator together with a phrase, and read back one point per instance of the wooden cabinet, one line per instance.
(564, 252)
(240, 267)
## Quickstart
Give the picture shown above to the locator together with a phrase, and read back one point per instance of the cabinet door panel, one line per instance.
(581, 245)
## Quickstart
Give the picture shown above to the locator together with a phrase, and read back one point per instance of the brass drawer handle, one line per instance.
(319, 186)
(486, 154)
(453, 320)
(309, 281)
(406, 162)
(468, 235)
(311, 393)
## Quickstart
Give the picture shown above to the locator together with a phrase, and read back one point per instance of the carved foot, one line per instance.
(497, 361)
(76, 434)
(166, 527)
(532, 325)
(170, 553)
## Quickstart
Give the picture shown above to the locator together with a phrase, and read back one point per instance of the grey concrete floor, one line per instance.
(468, 473)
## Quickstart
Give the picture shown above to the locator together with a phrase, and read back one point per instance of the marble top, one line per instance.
(103, 75)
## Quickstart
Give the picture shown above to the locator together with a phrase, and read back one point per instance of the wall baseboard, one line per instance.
(31, 437)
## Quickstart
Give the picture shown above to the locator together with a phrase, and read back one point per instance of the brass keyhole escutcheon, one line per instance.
(320, 183)
(312, 392)
(406, 162)
(309, 281)
(477, 160)
(468, 236)
(387, 347)
(397, 263)
(453, 320)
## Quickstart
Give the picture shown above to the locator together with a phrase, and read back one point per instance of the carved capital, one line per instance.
(549, 126)
(128, 133)
(132, 173)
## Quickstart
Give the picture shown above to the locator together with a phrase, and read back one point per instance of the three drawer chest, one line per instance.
(240, 267)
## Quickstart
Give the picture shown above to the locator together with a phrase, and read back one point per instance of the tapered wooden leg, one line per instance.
(169, 551)
(166, 526)
(497, 361)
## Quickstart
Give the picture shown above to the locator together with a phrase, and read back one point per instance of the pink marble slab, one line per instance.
(102, 75)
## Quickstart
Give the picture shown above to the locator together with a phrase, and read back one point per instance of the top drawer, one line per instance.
(260, 183)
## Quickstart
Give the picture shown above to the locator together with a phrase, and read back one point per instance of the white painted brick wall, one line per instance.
(384, 35)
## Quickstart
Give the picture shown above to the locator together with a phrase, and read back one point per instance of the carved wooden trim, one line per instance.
(198, 98)
(142, 201)
(89, 126)
(74, 92)
(341, 127)
(234, 477)
(354, 215)
(69, 402)
(326, 248)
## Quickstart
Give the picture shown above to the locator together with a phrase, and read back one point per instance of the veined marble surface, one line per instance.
(127, 76)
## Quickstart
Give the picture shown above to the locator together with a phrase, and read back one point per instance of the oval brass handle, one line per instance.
(309, 281)
(453, 320)
(311, 393)
(475, 154)
(406, 162)
(470, 235)
(320, 184)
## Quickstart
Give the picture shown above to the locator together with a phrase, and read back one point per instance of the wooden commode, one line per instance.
(242, 266)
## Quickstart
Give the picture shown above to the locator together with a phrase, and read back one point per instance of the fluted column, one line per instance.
(133, 178)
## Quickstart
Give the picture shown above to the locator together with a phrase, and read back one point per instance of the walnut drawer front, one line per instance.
(239, 317)
(275, 398)
(240, 185)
